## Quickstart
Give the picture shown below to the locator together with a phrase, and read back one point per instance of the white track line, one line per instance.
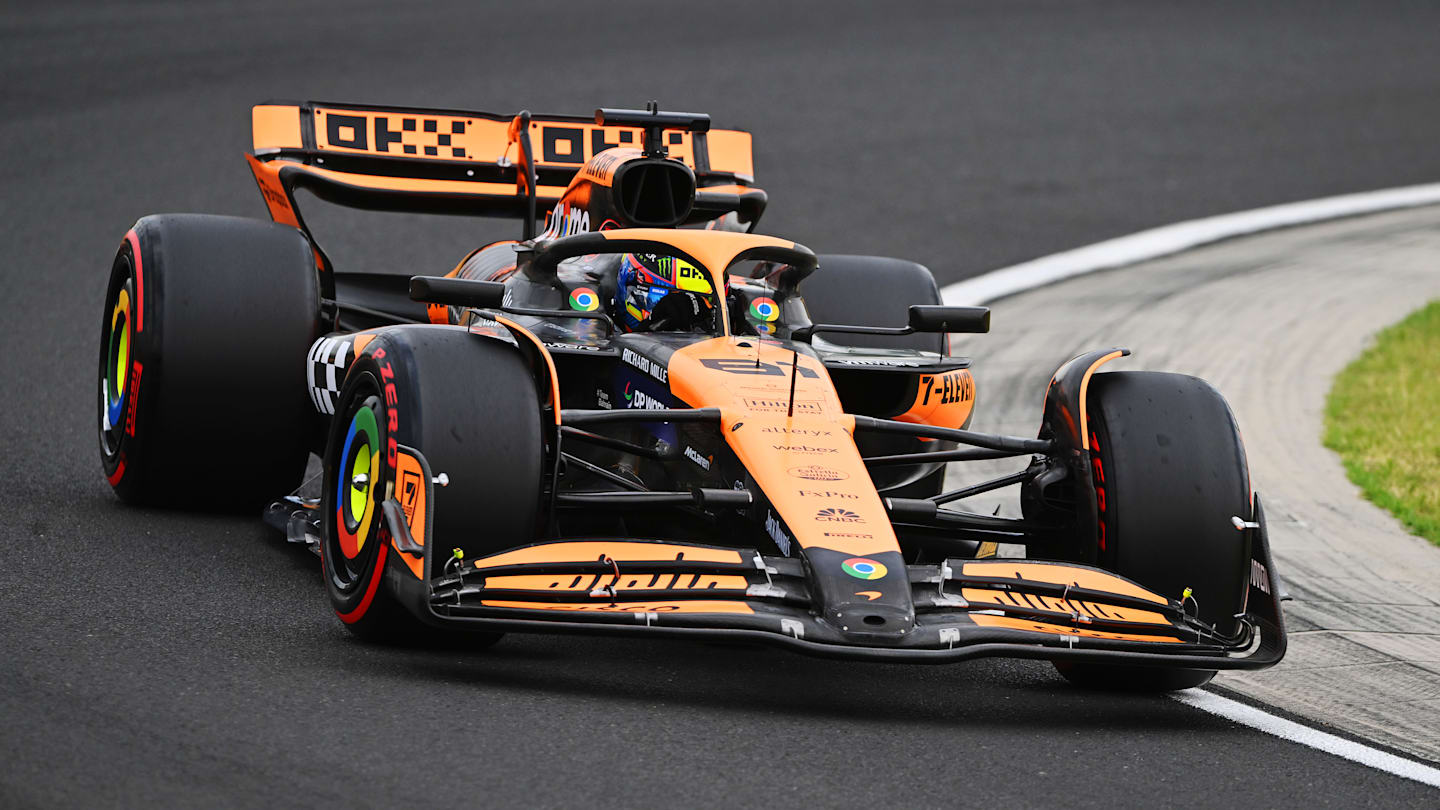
(1304, 735)
(1163, 241)
(1156, 242)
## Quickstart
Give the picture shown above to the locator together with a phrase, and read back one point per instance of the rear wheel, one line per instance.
(468, 404)
(871, 291)
(1170, 472)
(202, 361)
(878, 291)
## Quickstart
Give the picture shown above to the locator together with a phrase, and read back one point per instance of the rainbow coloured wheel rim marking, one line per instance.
(764, 310)
(117, 363)
(864, 568)
(584, 299)
(357, 479)
(117, 346)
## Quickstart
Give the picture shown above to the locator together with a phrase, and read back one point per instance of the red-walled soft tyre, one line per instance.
(202, 400)
(469, 405)
(1170, 473)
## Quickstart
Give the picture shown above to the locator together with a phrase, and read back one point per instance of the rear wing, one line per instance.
(450, 161)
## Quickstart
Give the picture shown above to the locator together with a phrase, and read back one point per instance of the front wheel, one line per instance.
(469, 405)
(1169, 472)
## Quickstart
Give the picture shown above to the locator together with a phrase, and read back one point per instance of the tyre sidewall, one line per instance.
(224, 309)
(1170, 471)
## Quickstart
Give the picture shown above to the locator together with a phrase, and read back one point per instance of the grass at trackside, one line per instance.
(1383, 418)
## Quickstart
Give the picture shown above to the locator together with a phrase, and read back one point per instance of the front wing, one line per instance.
(963, 608)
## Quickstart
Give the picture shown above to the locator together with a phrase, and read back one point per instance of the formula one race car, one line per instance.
(646, 418)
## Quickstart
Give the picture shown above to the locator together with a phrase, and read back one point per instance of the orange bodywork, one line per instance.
(617, 550)
(943, 400)
(1060, 574)
(478, 138)
(277, 126)
(787, 453)
(458, 136)
(625, 582)
(1084, 392)
(1030, 625)
(410, 489)
(730, 151)
(698, 606)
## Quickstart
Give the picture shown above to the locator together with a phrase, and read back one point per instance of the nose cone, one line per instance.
(867, 599)
(872, 623)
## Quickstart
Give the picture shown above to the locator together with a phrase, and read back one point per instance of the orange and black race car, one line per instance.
(643, 417)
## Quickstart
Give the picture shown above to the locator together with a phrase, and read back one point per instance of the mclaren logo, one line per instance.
(694, 455)
(1259, 577)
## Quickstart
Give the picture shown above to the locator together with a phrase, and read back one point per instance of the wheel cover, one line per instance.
(357, 479)
(115, 371)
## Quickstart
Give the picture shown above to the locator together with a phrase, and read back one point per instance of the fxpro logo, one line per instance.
(643, 401)
(827, 493)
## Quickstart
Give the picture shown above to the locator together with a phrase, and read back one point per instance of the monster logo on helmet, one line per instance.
(645, 280)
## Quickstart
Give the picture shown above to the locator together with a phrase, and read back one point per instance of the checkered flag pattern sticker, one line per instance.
(325, 371)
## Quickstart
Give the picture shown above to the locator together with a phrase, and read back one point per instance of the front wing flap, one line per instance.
(963, 608)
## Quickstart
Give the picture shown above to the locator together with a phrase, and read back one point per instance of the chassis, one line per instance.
(496, 456)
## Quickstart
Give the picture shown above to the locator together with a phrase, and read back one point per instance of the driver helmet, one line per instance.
(644, 280)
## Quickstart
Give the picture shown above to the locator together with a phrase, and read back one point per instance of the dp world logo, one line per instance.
(835, 514)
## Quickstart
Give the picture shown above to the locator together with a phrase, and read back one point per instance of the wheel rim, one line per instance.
(115, 364)
(356, 485)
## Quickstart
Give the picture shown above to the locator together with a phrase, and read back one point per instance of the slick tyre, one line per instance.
(871, 291)
(1169, 471)
(878, 291)
(468, 404)
(203, 337)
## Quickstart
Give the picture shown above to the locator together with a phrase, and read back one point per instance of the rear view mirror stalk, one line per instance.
(923, 318)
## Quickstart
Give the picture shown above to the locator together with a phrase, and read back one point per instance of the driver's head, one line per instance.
(662, 293)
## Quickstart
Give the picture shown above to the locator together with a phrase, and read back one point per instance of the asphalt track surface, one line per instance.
(188, 659)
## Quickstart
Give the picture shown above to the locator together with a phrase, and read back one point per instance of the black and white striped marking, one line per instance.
(325, 371)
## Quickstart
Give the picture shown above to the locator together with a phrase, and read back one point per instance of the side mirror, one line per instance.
(459, 292)
(936, 318)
